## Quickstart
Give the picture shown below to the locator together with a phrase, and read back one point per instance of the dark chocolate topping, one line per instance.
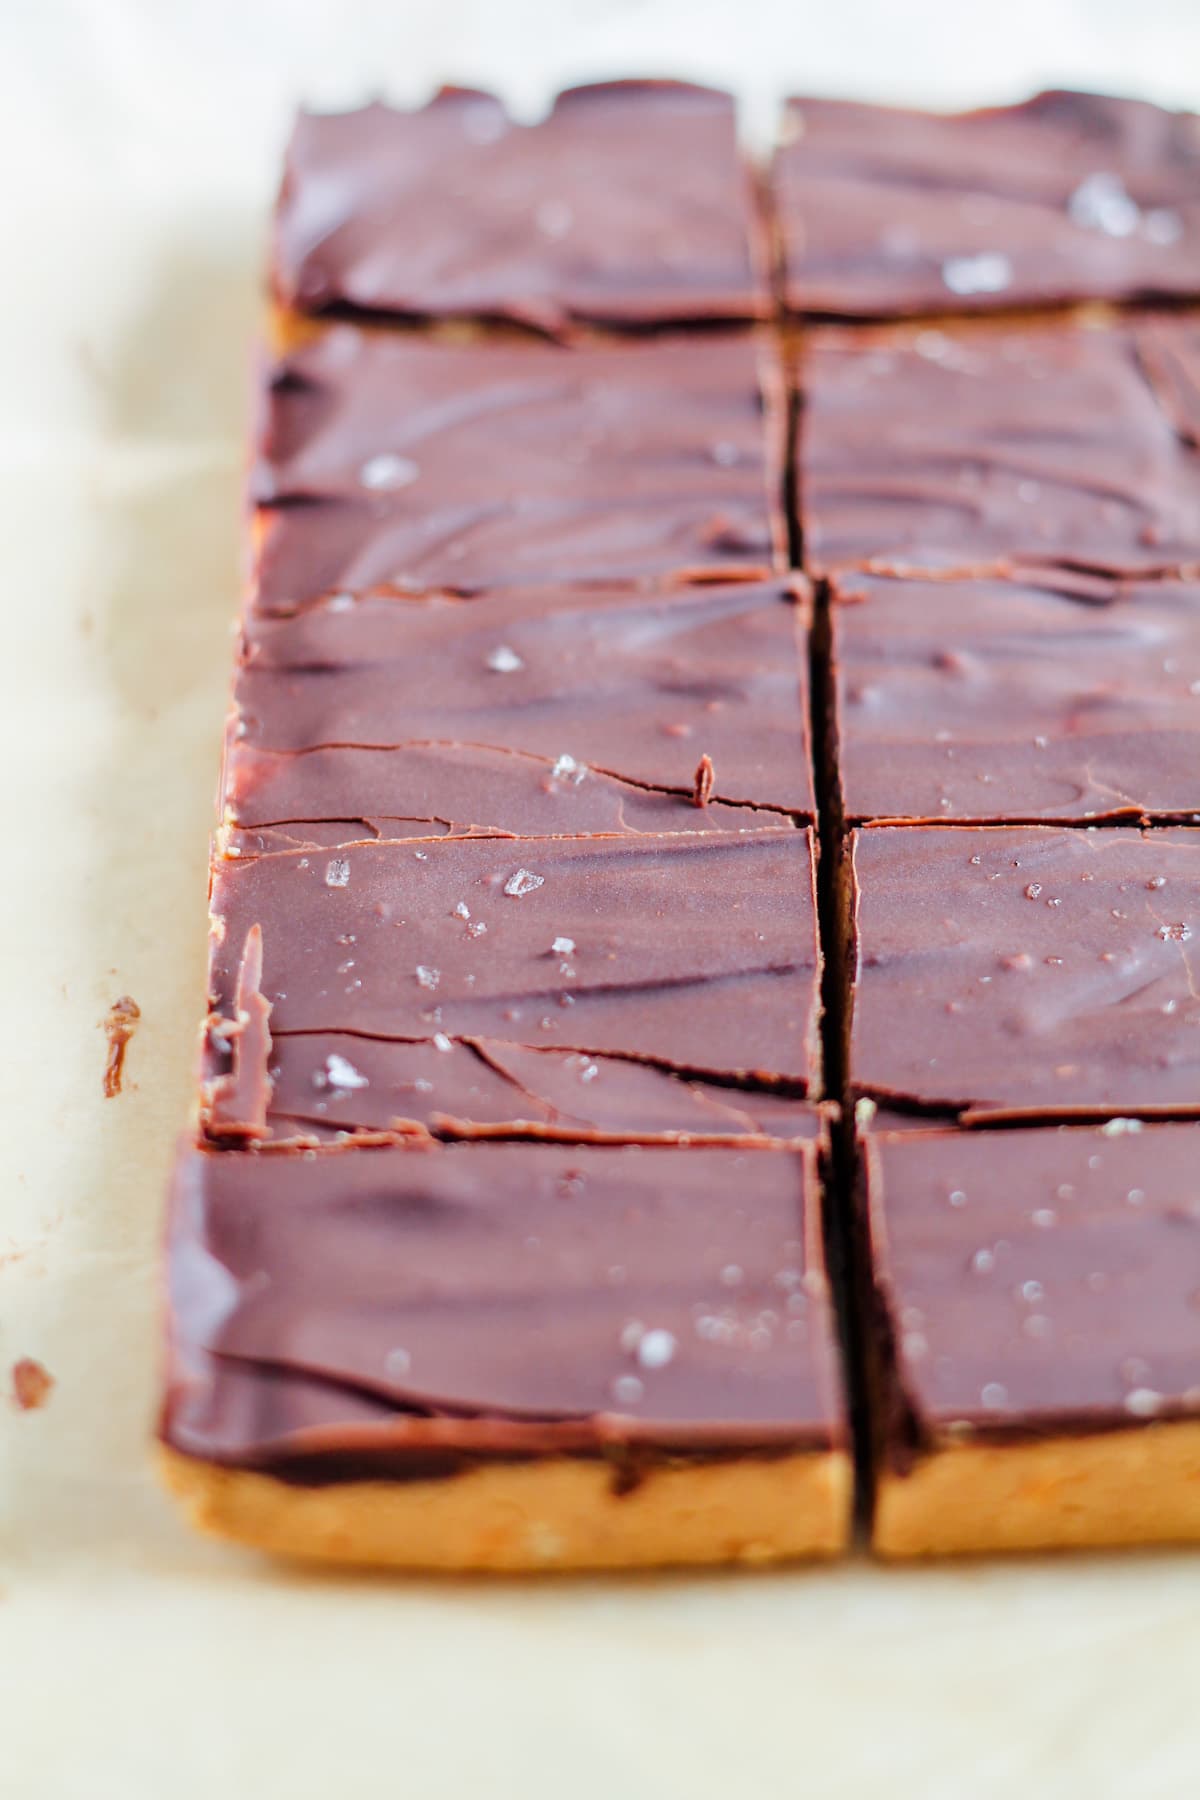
(470, 1296)
(628, 204)
(539, 698)
(926, 450)
(1029, 968)
(325, 1085)
(1041, 1279)
(479, 465)
(698, 952)
(999, 700)
(1067, 197)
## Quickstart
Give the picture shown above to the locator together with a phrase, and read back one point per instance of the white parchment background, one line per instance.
(139, 144)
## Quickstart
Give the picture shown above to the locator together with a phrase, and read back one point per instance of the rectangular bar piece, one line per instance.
(1023, 447)
(505, 463)
(697, 955)
(506, 1356)
(1038, 1381)
(1027, 971)
(553, 711)
(1072, 697)
(885, 212)
(628, 205)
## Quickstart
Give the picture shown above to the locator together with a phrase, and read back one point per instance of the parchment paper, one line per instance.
(140, 148)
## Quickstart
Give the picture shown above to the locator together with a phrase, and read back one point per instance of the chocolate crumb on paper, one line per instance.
(702, 789)
(32, 1384)
(119, 1023)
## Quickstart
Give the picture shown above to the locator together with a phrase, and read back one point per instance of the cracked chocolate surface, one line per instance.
(488, 464)
(552, 711)
(504, 1298)
(1038, 1281)
(1027, 969)
(629, 205)
(1070, 196)
(1069, 698)
(698, 953)
(325, 1086)
(931, 450)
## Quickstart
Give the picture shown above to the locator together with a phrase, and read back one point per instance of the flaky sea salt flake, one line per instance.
(522, 882)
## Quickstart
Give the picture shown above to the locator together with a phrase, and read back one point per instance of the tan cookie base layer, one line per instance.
(553, 1514)
(1140, 1486)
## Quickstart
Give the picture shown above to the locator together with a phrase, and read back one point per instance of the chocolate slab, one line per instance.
(1037, 1281)
(698, 953)
(498, 1298)
(552, 710)
(628, 205)
(885, 212)
(1028, 970)
(327, 1086)
(1074, 698)
(1041, 445)
(486, 464)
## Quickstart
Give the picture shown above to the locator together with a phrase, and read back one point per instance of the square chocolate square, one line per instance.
(552, 711)
(487, 464)
(1027, 970)
(629, 204)
(1072, 697)
(394, 1313)
(927, 450)
(695, 954)
(885, 212)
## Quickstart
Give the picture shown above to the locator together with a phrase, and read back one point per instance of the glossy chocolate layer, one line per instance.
(1038, 1281)
(506, 1299)
(628, 204)
(695, 952)
(1067, 197)
(552, 710)
(325, 1086)
(1022, 446)
(1075, 698)
(1028, 969)
(488, 464)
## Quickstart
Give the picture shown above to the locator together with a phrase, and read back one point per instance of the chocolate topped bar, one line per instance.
(1028, 970)
(886, 212)
(1036, 1281)
(1074, 697)
(488, 464)
(628, 205)
(389, 1312)
(553, 711)
(695, 953)
(1021, 447)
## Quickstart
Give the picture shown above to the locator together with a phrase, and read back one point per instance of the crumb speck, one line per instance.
(119, 1024)
(32, 1384)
